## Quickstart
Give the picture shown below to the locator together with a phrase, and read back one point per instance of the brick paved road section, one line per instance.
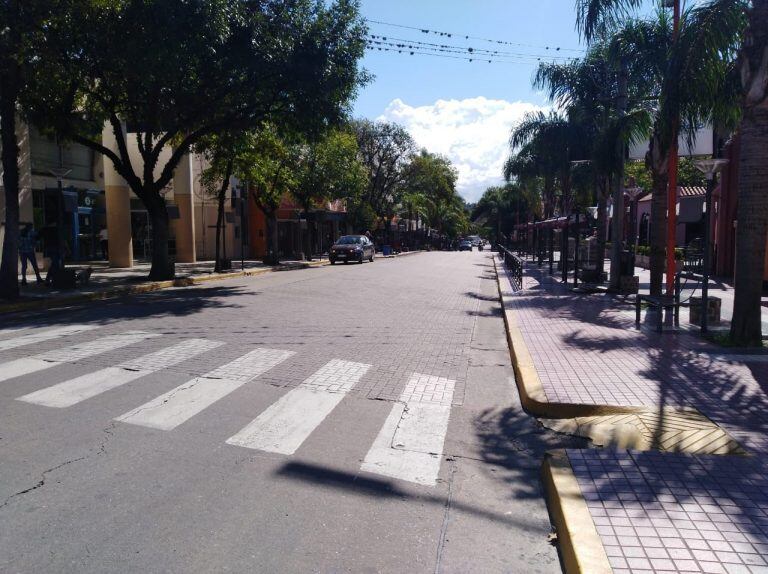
(587, 350)
(674, 513)
(400, 316)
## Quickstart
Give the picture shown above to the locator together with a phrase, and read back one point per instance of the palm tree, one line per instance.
(753, 178)
(588, 88)
(555, 141)
(721, 21)
(684, 74)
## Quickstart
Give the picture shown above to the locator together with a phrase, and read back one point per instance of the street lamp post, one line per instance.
(709, 167)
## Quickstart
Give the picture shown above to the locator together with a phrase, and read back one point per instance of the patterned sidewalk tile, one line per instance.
(658, 512)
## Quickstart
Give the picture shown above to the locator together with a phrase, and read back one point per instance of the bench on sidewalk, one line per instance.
(660, 302)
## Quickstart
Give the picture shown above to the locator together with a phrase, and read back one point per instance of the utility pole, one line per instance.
(617, 222)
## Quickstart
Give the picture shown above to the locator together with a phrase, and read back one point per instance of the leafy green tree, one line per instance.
(171, 72)
(268, 168)
(385, 151)
(326, 170)
(23, 28)
(430, 184)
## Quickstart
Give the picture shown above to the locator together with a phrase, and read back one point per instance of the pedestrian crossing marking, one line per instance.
(41, 335)
(75, 390)
(178, 405)
(72, 353)
(410, 444)
(285, 425)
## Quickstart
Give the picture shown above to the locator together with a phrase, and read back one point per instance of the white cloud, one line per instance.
(473, 133)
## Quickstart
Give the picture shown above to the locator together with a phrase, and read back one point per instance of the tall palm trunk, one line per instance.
(752, 211)
(657, 160)
(9, 269)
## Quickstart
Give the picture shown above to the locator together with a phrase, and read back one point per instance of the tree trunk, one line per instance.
(163, 267)
(219, 226)
(9, 269)
(752, 230)
(658, 160)
(752, 211)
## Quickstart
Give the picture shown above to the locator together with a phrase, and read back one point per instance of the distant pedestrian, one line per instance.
(27, 241)
(104, 242)
(368, 235)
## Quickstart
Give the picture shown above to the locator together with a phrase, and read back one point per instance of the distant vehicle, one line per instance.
(351, 248)
(465, 245)
(475, 240)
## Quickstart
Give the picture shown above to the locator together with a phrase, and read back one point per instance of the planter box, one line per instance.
(713, 311)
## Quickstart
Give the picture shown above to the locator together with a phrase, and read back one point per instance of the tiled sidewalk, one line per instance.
(656, 512)
(587, 350)
(659, 512)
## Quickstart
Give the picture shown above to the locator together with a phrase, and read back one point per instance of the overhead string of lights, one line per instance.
(457, 53)
(404, 43)
(477, 38)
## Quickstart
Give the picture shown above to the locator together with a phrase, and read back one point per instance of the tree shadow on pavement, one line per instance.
(177, 302)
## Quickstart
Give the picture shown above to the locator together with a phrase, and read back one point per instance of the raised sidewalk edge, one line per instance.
(580, 546)
(529, 385)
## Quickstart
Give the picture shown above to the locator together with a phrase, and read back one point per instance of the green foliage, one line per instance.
(328, 169)
(385, 152)
(174, 72)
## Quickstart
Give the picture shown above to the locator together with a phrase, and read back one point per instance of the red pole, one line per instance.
(672, 183)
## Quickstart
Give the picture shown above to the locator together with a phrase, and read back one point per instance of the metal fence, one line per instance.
(514, 265)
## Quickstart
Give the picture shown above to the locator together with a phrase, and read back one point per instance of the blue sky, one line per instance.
(461, 109)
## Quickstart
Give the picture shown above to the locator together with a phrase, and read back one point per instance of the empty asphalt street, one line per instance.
(354, 418)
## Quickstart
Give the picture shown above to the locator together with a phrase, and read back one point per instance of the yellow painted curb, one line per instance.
(532, 395)
(580, 546)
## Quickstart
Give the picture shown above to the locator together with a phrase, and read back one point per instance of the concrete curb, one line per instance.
(581, 549)
(677, 429)
(125, 290)
(532, 394)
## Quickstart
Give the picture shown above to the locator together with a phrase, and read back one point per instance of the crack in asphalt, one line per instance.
(41, 482)
(446, 519)
(43, 476)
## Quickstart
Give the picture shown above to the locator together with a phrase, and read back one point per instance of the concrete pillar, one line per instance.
(118, 207)
(183, 196)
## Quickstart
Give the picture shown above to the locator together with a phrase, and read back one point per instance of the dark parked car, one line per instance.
(351, 248)
(465, 245)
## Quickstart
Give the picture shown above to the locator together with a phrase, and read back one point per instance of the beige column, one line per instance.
(118, 200)
(183, 196)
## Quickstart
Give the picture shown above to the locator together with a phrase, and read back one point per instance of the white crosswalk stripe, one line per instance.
(70, 354)
(169, 410)
(73, 391)
(410, 444)
(41, 335)
(286, 424)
